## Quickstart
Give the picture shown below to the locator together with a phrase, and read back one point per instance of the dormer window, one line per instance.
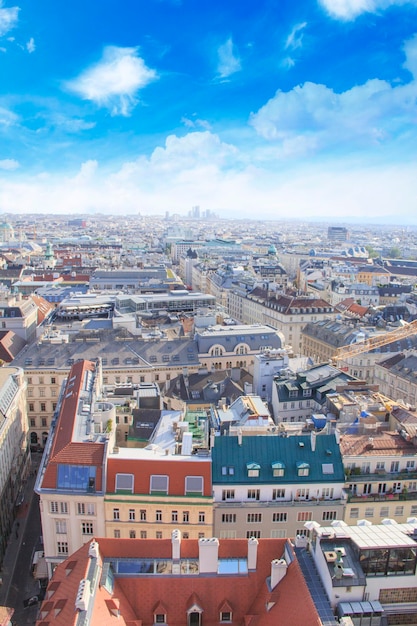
(303, 469)
(225, 616)
(278, 469)
(160, 618)
(253, 469)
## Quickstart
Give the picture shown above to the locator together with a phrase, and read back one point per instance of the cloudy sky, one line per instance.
(303, 109)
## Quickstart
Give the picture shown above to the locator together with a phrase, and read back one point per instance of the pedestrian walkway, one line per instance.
(17, 535)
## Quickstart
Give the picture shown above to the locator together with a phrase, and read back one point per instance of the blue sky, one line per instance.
(270, 109)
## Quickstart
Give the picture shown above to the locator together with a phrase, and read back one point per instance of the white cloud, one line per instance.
(350, 9)
(228, 59)
(8, 18)
(195, 123)
(364, 115)
(30, 46)
(115, 81)
(295, 38)
(7, 117)
(9, 164)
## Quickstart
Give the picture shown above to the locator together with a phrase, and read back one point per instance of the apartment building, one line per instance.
(296, 397)
(151, 492)
(269, 486)
(381, 474)
(287, 314)
(14, 449)
(368, 571)
(396, 377)
(172, 581)
(71, 481)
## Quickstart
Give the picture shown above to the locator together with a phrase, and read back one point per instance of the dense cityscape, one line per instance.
(238, 397)
(208, 313)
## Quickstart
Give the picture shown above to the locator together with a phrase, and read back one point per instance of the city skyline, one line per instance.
(276, 110)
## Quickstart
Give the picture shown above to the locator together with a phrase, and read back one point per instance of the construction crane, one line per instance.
(349, 351)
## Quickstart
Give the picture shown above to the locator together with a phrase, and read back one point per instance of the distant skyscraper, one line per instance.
(337, 233)
(195, 212)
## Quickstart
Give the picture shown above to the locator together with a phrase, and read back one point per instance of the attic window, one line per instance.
(160, 618)
(194, 484)
(159, 483)
(225, 616)
(278, 469)
(124, 482)
(253, 469)
(303, 469)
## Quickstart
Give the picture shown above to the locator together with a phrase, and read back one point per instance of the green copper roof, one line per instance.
(270, 452)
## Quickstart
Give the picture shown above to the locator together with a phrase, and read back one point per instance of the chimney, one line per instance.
(252, 553)
(208, 552)
(239, 436)
(176, 544)
(278, 571)
(337, 435)
(93, 551)
(313, 441)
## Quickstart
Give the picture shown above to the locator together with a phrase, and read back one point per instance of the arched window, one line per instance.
(33, 438)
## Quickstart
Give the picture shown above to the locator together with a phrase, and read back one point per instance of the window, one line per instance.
(278, 493)
(279, 517)
(158, 534)
(410, 465)
(369, 511)
(278, 534)
(61, 527)
(354, 513)
(228, 494)
(228, 470)
(327, 493)
(302, 494)
(142, 515)
(229, 518)
(81, 508)
(44, 423)
(53, 380)
(201, 535)
(254, 518)
(86, 508)
(174, 516)
(303, 469)
(159, 618)
(329, 516)
(158, 515)
(159, 484)
(253, 470)
(132, 534)
(194, 484)
(201, 517)
(384, 511)
(62, 547)
(253, 533)
(76, 477)
(33, 422)
(116, 514)
(31, 406)
(254, 494)
(143, 534)
(87, 528)
(304, 516)
(132, 515)
(186, 517)
(413, 510)
(41, 392)
(225, 616)
(185, 535)
(116, 534)
(278, 469)
(43, 407)
(124, 482)
(399, 510)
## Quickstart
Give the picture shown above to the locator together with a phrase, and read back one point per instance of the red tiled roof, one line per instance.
(64, 449)
(143, 469)
(248, 596)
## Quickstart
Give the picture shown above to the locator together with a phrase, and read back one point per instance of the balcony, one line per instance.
(256, 504)
(380, 476)
(382, 497)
